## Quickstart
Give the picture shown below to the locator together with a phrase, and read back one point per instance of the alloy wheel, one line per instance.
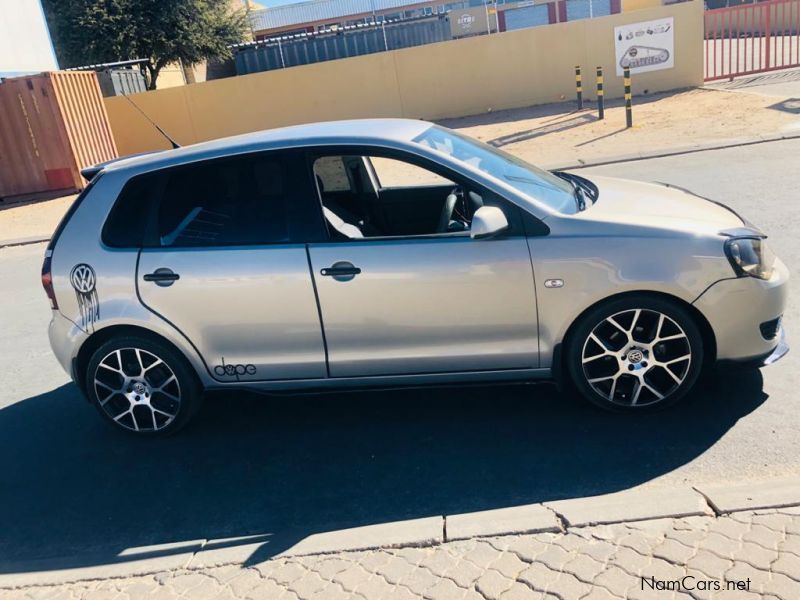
(636, 357)
(137, 389)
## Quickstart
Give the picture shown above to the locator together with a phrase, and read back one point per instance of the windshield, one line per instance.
(532, 181)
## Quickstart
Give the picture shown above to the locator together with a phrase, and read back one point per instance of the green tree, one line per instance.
(164, 31)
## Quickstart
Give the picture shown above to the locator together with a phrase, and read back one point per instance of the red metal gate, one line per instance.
(752, 38)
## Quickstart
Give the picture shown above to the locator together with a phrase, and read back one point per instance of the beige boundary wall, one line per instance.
(448, 79)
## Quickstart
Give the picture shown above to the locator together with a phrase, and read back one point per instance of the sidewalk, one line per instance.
(717, 540)
(744, 555)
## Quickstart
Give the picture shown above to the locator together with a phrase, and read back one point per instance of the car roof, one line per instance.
(356, 131)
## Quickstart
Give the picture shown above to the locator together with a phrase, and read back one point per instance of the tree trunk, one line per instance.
(153, 70)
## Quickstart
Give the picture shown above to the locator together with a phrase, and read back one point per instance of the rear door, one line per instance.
(227, 265)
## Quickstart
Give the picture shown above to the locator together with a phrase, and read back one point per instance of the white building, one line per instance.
(25, 45)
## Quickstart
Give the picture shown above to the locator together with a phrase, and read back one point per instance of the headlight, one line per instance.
(750, 257)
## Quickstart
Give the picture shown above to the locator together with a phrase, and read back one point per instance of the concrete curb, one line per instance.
(633, 505)
(726, 499)
(690, 149)
(638, 504)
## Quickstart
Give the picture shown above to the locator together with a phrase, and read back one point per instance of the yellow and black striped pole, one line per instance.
(626, 74)
(579, 87)
(600, 108)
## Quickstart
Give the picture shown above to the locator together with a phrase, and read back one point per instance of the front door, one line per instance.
(227, 266)
(401, 294)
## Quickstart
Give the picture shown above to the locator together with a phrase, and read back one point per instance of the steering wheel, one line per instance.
(449, 210)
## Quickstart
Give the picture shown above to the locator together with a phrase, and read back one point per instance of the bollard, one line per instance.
(579, 87)
(600, 108)
(628, 109)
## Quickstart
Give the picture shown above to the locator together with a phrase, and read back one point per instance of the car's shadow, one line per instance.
(70, 486)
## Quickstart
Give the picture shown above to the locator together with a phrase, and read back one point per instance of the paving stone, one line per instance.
(528, 547)
(763, 536)
(395, 569)
(374, 586)
(285, 574)
(445, 589)
(710, 564)
(308, 585)
(615, 580)
(631, 561)
(520, 591)
(351, 577)
(539, 577)
(464, 573)
(569, 586)
(419, 580)
(265, 589)
(555, 557)
(758, 580)
(245, 581)
(509, 564)
(756, 555)
(673, 551)
(788, 564)
(584, 567)
(492, 584)
(720, 545)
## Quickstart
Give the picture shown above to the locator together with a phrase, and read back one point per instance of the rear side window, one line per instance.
(128, 221)
(246, 200)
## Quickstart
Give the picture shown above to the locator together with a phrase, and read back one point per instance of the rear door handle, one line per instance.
(341, 271)
(162, 277)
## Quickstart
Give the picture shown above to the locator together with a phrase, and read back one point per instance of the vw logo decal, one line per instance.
(82, 278)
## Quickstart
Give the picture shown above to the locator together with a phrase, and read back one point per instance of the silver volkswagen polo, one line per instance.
(379, 253)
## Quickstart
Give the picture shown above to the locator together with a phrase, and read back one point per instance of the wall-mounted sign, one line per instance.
(647, 46)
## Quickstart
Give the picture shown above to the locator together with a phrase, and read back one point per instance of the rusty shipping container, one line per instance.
(52, 125)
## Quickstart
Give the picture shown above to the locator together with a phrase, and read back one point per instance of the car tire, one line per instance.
(635, 354)
(142, 386)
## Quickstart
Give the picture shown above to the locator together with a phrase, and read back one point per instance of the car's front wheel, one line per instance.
(142, 386)
(637, 353)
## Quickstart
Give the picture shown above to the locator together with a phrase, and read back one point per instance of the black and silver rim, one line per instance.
(137, 389)
(636, 357)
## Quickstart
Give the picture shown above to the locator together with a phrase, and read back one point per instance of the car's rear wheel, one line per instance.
(142, 386)
(637, 353)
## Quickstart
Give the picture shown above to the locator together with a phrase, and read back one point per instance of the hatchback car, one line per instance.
(376, 253)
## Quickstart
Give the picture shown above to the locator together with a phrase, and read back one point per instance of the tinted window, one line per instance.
(252, 199)
(127, 223)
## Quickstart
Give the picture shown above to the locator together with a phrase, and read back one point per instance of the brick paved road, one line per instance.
(591, 563)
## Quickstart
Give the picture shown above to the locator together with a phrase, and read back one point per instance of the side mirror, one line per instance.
(487, 221)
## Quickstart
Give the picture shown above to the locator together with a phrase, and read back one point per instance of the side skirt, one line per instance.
(385, 382)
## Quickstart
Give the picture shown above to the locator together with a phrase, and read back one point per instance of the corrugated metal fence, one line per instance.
(302, 50)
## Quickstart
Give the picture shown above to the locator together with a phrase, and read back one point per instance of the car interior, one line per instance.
(364, 197)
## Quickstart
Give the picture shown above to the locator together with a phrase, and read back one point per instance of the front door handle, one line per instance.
(341, 271)
(162, 277)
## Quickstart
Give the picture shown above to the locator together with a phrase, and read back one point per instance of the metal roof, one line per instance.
(319, 10)
(357, 131)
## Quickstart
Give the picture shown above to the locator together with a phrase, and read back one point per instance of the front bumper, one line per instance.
(780, 350)
(735, 308)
